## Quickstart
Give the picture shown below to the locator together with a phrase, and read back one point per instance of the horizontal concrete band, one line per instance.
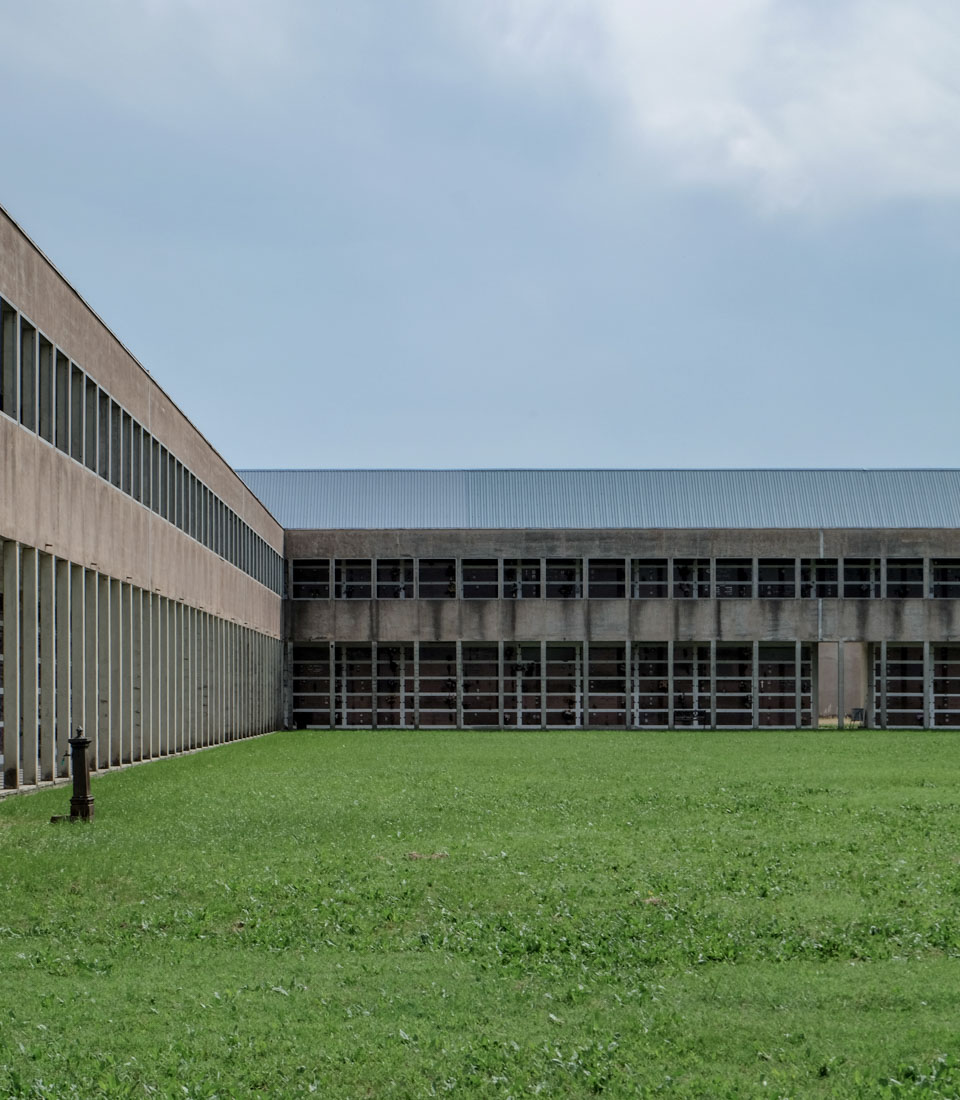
(868, 620)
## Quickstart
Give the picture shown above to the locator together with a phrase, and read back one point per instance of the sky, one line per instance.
(514, 233)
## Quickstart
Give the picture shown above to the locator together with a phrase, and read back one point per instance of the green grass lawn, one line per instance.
(492, 914)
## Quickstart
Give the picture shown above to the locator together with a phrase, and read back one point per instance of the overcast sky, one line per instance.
(509, 232)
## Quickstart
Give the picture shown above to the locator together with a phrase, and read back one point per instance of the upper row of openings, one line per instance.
(50, 395)
(619, 578)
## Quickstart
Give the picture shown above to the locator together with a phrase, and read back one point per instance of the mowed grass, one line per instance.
(380, 914)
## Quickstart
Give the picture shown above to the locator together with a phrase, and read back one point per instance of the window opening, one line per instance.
(438, 578)
(607, 577)
(564, 579)
(818, 578)
(480, 578)
(776, 579)
(564, 702)
(691, 578)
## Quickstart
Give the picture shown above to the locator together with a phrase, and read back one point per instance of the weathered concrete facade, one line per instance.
(141, 579)
(886, 593)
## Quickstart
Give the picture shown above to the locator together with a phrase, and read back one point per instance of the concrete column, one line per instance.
(104, 656)
(670, 707)
(207, 661)
(798, 682)
(883, 578)
(216, 682)
(158, 676)
(374, 696)
(416, 678)
(814, 685)
(871, 717)
(29, 681)
(927, 579)
(91, 660)
(500, 683)
(458, 672)
(796, 587)
(11, 654)
(76, 715)
(628, 692)
(48, 667)
(163, 677)
(179, 718)
(543, 684)
(191, 678)
(126, 672)
(148, 676)
(713, 673)
(137, 650)
(841, 712)
(755, 578)
(586, 683)
(755, 685)
(119, 662)
(927, 687)
(62, 642)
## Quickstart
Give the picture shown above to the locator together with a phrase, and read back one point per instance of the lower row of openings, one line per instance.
(560, 684)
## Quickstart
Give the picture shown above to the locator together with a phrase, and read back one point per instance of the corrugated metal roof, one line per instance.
(612, 499)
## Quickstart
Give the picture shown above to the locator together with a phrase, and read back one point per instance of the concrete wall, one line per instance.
(113, 618)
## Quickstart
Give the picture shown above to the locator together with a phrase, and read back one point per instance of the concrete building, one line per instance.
(626, 598)
(153, 596)
(141, 580)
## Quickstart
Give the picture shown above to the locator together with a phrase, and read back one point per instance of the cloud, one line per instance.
(814, 104)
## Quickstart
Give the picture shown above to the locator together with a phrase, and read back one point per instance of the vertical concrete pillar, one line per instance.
(713, 675)
(815, 685)
(927, 579)
(841, 711)
(628, 693)
(755, 577)
(118, 664)
(332, 664)
(927, 687)
(500, 683)
(91, 691)
(62, 640)
(137, 648)
(883, 578)
(163, 679)
(192, 669)
(586, 682)
(755, 685)
(77, 715)
(871, 700)
(47, 666)
(11, 653)
(103, 671)
(126, 672)
(458, 672)
(671, 717)
(29, 681)
(416, 680)
(374, 697)
(543, 684)
(179, 691)
(203, 674)
(796, 581)
(149, 681)
(798, 683)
